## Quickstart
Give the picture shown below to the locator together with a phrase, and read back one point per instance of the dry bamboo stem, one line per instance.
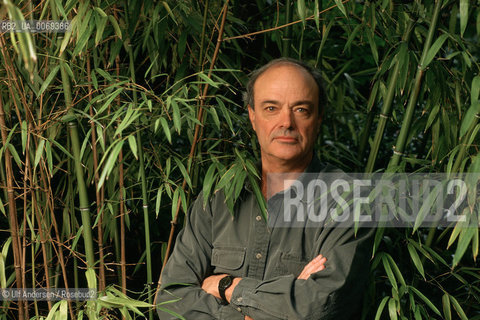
(101, 282)
(196, 138)
(12, 210)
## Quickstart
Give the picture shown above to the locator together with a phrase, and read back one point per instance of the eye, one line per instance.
(270, 108)
(302, 110)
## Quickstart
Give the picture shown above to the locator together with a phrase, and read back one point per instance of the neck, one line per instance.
(285, 170)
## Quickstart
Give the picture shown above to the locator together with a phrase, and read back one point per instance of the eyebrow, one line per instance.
(296, 103)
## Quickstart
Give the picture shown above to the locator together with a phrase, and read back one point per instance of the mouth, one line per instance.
(286, 139)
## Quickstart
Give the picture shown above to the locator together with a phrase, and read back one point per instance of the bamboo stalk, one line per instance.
(196, 138)
(143, 181)
(12, 215)
(123, 264)
(82, 189)
(202, 41)
(387, 106)
(101, 280)
(287, 38)
(402, 137)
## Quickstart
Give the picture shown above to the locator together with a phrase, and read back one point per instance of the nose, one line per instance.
(287, 119)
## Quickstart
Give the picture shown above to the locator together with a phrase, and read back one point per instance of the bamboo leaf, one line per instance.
(302, 11)
(185, 174)
(458, 308)
(380, 308)
(48, 80)
(111, 96)
(316, 14)
(14, 154)
(77, 237)
(475, 241)
(101, 22)
(166, 129)
(176, 116)
(53, 311)
(432, 116)
(85, 31)
(425, 299)
(469, 118)
(226, 113)
(48, 152)
(427, 206)
(463, 15)
(341, 7)
(38, 153)
(170, 13)
(215, 118)
(392, 311)
(416, 259)
(176, 194)
(208, 182)
(116, 27)
(373, 45)
(100, 12)
(3, 257)
(63, 315)
(2, 209)
(133, 145)
(396, 270)
(158, 200)
(62, 148)
(475, 90)
(432, 52)
(24, 136)
(463, 242)
(208, 80)
(68, 35)
(91, 278)
(447, 312)
(112, 158)
(388, 270)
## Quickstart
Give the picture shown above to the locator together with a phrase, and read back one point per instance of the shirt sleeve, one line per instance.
(333, 293)
(180, 292)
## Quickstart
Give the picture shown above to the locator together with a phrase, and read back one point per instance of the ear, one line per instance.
(251, 116)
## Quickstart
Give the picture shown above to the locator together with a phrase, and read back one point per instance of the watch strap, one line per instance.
(223, 285)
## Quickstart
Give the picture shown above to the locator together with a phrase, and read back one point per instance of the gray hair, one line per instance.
(248, 96)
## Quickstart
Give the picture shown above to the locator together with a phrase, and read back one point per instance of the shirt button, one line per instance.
(239, 310)
(258, 256)
(258, 218)
(239, 299)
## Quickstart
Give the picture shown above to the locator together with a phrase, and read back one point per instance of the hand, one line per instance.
(248, 318)
(210, 285)
(317, 264)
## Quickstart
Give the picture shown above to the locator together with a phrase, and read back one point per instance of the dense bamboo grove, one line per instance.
(111, 129)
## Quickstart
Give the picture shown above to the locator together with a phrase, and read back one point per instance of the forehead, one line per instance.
(286, 80)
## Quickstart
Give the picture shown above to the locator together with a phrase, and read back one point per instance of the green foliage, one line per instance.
(158, 117)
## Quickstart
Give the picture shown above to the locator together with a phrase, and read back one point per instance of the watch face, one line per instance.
(225, 282)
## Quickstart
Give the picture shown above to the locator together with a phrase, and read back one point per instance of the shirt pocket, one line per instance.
(228, 260)
(291, 264)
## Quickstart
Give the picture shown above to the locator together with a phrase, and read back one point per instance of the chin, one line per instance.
(287, 156)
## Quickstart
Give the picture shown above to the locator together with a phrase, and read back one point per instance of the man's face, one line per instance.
(285, 115)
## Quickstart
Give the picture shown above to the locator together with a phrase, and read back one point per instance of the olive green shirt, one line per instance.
(268, 259)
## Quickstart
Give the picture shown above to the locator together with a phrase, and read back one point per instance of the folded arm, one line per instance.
(321, 291)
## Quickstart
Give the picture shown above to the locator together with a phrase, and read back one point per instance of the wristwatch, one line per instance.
(223, 285)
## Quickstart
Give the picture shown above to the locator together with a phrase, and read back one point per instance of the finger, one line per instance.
(316, 265)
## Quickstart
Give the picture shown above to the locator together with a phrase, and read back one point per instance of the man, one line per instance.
(240, 266)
